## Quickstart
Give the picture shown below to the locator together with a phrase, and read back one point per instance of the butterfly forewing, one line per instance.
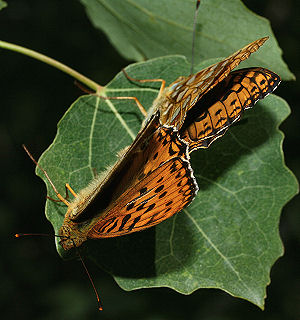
(224, 104)
(164, 186)
(170, 189)
(182, 94)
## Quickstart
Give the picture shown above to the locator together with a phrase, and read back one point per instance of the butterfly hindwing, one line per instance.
(224, 105)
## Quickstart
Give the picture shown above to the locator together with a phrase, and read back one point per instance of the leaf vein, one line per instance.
(213, 245)
(92, 133)
(119, 117)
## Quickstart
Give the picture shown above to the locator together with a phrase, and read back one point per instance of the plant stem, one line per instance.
(54, 63)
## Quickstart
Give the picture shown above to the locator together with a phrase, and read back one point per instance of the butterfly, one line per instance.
(150, 183)
(153, 179)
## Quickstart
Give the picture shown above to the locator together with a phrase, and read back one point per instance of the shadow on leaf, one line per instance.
(255, 129)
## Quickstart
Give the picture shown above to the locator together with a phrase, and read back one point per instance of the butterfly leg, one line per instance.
(68, 187)
(162, 86)
(58, 200)
(140, 106)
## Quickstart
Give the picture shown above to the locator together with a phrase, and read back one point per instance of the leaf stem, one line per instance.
(54, 63)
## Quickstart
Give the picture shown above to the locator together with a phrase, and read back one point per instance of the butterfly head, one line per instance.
(70, 236)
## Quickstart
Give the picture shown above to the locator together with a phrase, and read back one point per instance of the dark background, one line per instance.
(35, 282)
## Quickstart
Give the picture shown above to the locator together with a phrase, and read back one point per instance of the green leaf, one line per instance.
(2, 4)
(228, 237)
(143, 29)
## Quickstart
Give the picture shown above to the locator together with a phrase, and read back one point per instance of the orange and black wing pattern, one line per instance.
(162, 187)
(183, 93)
(224, 104)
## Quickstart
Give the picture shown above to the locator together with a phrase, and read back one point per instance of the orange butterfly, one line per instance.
(153, 180)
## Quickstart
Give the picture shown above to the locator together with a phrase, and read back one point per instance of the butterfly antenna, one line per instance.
(100, 308)
(194, 34)
(60, 197)
(19, 235)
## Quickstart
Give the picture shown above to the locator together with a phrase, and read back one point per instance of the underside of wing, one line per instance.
(186, 91)
(222, 106)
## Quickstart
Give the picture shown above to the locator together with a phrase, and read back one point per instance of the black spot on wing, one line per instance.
(124, 221)
(112, 227)
(160, 180)
(162, 194)
(143, 191)
(130, 206)
(150, 207)
(159, 189)
(135, 221)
